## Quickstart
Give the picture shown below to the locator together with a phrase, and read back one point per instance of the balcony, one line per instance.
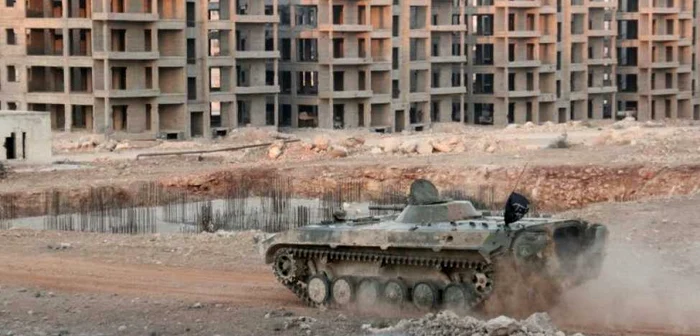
(448, 28)
(346, 60)
(683, 68)
(257, 54)
(262, 19)
(578, 67)
(451, 90)
(448, 59)
(524, 64)
(129, 17)
(602, 4)
(664, 65)
(548, 68)
(547, 97)
(518, 93)
(519, 3)
(661, 37)
(659, 10)
(381, 34)
(605, 61)
(172, 98)
(345, 28)
(604, 89)
(663, 92)
(127, 55)
(519, 34)
(257, 90)
(171, 24)
(381, 98)
(601, 32)
(128, 93)
(348, 94)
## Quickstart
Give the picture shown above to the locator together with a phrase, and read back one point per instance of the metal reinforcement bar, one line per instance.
(206, 151)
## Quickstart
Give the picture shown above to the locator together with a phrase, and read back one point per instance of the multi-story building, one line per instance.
(188, 68)
(141, 68)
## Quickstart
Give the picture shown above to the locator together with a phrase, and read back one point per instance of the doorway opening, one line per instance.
(10, 147)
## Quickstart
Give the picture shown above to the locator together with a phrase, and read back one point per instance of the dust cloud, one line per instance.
(637, 289)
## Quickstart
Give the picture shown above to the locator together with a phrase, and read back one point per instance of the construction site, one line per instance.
(151, 148)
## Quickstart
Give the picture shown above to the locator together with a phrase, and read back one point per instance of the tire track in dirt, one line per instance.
(248, 287)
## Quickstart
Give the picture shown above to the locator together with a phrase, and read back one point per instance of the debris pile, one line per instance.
(449, 323)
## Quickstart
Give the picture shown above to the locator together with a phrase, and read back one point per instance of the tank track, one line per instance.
(298, 287)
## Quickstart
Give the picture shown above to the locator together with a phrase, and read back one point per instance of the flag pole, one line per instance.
(519, 177)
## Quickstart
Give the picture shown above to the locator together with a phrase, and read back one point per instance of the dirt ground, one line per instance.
(210, 284)
(217, 284)
(467, 147)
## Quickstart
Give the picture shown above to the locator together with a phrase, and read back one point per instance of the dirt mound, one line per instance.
(449, 323)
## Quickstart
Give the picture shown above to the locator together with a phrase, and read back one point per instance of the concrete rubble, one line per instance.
(449, 323)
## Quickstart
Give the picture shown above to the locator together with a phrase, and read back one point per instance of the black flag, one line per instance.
(517, 207)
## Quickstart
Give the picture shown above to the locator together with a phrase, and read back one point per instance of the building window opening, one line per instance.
(10, 148)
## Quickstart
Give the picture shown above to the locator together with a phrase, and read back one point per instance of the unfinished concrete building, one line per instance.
(183, 68)
(141, 68)
(484, 61)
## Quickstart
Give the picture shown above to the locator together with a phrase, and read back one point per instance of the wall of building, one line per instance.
(30, 132)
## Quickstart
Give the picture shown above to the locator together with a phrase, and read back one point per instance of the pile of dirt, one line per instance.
(449, 323)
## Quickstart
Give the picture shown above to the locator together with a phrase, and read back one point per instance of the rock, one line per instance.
(512, 126)
(197, 305)
(108, 146)
(86, 145)
(321, 142)
(425, 147)
(121, 146)
(278, 313)
(274, 152)
(377, 151)
(559, 142)
(408, 147)
(443, 146)
(122, 328)
(654, 124)
(529, 124)
(338, 152)
(500, 326)
(353, 142)
(307, 146)
(390, 145)
(459, 148)
(490, 149)
(341, 317)
(539, 323)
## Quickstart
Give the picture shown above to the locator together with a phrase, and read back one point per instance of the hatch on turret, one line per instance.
(426, 206)
(449, 211)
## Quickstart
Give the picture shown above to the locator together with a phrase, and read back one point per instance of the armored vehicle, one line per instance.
(438, 254)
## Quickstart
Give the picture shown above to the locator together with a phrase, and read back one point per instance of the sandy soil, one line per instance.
(623, 145)
(217, 284)
(210, 284)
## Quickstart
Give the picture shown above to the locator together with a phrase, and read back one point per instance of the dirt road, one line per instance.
(217, 284)
(77, 275)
